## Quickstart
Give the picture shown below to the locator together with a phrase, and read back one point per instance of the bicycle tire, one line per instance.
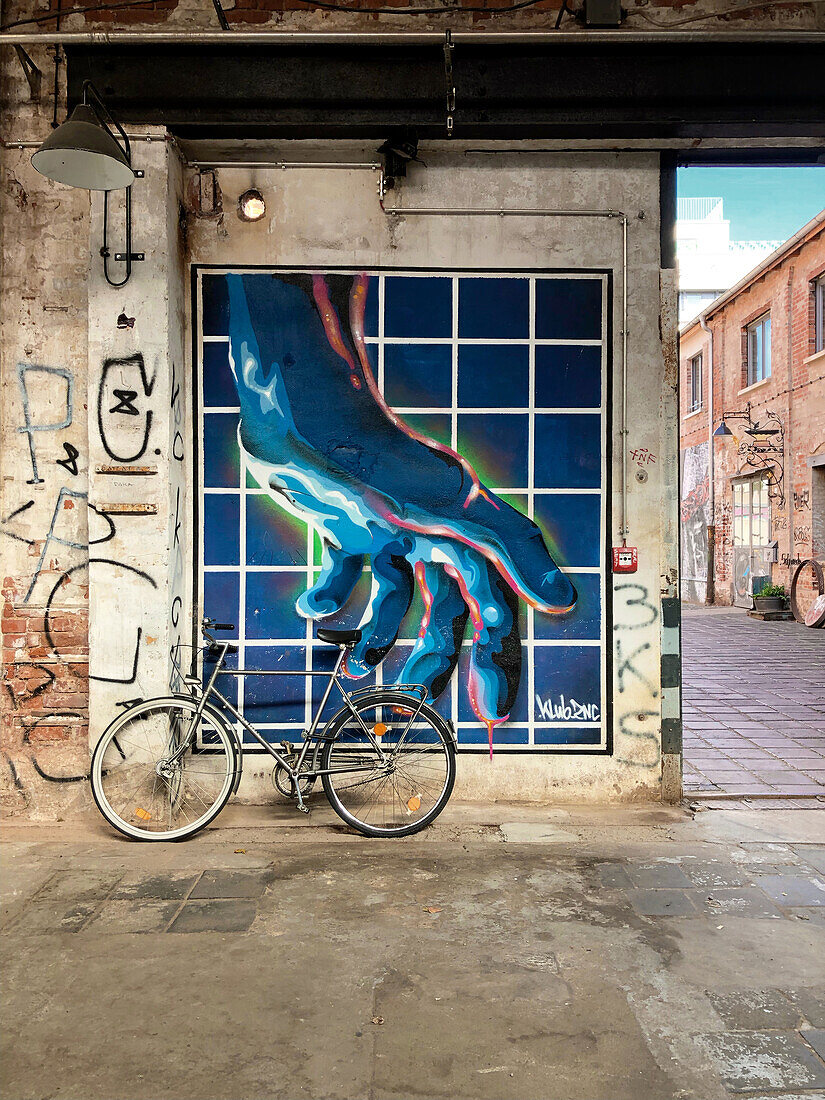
(136, 743)
(343, 739)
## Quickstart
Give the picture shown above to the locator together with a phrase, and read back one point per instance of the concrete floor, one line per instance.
(508, 952)
(753, 706)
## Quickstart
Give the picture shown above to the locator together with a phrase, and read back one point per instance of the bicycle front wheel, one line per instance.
(156, 777)
(401, 785)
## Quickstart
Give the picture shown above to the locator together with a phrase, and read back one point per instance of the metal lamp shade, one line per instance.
(82, 153)
(723, 429)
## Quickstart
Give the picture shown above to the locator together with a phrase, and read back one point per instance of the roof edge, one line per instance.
(773, 260)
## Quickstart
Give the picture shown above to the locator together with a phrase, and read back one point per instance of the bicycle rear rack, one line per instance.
(408, 689)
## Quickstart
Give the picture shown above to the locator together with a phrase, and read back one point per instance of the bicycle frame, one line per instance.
(203, 693)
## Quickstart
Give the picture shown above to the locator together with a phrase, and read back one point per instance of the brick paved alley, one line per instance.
(754, 706)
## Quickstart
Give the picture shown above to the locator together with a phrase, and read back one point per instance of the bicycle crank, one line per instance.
(282, 782)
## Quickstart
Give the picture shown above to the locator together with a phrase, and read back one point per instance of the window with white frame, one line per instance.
(819, 313)
(695, 383)
(759, 349)
(505, 367)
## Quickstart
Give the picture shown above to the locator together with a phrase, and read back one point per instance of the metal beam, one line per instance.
(610, 86)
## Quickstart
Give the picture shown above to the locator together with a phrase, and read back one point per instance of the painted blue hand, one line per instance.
(318, 436)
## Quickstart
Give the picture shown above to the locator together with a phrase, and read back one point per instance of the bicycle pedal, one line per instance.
(303, 809)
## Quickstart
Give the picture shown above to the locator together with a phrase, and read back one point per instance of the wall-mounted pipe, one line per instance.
(710, 583)
(531, 212)
(397, 38)
(350, 166)
(132, 138)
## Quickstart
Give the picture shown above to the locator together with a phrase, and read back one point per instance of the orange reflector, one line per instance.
(144, 815)
(379, 729)
(414, 804)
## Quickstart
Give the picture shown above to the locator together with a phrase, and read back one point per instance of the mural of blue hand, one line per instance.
(319, 437)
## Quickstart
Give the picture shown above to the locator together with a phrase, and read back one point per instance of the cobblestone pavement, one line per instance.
(754, 706)
(639, 953)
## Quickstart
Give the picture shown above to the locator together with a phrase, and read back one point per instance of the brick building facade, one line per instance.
(756, 359)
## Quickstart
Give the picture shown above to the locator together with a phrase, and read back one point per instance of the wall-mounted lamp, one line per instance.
(84, 152)
(723, 429)
(765, 452)
(251, 206)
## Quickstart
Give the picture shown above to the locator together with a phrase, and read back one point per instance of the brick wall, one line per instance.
(795, 391)
(479, 14)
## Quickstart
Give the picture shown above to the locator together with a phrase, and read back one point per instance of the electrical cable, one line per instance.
(446, 9)
(564, 8)
(698, 17)
(327, 5)
(46, 16)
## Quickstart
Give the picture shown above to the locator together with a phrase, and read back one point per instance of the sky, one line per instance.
(761, 203)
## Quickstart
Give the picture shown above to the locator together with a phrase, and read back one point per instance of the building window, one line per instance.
(819, 314)
(695, 383)
(759, 349)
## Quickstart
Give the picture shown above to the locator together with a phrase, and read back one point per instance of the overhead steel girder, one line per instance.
(578, 89)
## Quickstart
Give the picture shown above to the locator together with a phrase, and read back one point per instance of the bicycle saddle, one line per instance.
(339, 637)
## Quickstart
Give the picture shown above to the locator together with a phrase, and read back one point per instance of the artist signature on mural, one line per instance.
(566, 710)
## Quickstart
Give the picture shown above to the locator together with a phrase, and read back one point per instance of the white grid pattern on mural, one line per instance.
(525, 495)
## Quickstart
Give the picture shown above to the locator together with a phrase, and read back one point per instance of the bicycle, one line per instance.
(166, 767)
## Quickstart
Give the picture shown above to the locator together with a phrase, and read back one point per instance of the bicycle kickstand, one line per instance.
(300, 802)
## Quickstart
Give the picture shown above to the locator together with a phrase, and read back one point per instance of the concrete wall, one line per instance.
(328, 218)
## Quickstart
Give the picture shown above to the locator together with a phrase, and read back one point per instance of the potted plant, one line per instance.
(772, 597)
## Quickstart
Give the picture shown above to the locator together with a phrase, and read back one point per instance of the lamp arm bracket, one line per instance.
(31, 72)
(89, 91)
(128, 257)
(450, 81)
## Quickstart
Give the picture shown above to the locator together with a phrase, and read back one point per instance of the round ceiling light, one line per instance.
(251, 206)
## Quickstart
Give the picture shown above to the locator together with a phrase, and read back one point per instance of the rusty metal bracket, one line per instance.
(448, 75)
(128, 509)
(224, 22)
(31, 72)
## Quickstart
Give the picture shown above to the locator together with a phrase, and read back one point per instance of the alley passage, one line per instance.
(754, 706)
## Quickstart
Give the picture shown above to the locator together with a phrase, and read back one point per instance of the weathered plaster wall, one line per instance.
(57, 312)
(327, 218)
(136, 446)
(93, 381)
(44, 465)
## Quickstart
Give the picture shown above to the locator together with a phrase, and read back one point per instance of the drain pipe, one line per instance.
(710, 583)
(788, 456)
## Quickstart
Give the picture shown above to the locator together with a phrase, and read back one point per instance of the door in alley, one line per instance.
(751, 536)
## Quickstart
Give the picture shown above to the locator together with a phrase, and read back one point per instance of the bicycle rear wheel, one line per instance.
(149, 789)
(401, 786)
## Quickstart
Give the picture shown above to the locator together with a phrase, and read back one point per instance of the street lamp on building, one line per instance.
(765, 451)
(723, 429)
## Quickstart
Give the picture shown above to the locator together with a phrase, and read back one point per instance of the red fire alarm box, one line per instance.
(625, 559)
